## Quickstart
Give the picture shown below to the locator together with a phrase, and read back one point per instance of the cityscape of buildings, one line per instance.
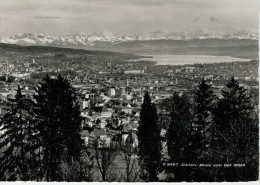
(110, 93)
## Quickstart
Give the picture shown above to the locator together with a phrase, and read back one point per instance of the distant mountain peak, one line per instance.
(82, 34)
(96, 39)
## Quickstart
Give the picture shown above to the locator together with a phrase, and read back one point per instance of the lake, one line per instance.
(190, 59)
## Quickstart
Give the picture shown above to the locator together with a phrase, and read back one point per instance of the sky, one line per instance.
(120, 17)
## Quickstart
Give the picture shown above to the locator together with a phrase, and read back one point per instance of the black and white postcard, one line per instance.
(129, 90)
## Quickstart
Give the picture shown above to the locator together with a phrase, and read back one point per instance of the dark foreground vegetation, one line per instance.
(40, 138)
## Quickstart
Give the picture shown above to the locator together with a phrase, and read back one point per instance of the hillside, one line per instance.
(16, 52)
(5, 48)
(241, 48)
(242, 45)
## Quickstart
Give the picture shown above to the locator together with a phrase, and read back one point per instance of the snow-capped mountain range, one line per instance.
(97, 39)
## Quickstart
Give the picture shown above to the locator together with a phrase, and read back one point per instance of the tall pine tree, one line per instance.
(58, 126)
(238, 133)
(202, 127)
(149, 141)
(179, 135)
(15, 125)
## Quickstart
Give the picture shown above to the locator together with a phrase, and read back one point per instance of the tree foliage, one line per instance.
(237, 127)
(179, 133)
(149, 141)
(41, 134)
(224, 130)
(16, 126)
(58, 125)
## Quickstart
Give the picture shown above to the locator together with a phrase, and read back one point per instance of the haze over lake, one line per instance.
(190, 59)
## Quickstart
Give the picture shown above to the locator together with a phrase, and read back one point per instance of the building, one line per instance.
(134, 72)
(188, 69)
(111, 92)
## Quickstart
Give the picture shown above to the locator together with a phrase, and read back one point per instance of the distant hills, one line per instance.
(16, 52)
(242, 44)
(241, 48)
